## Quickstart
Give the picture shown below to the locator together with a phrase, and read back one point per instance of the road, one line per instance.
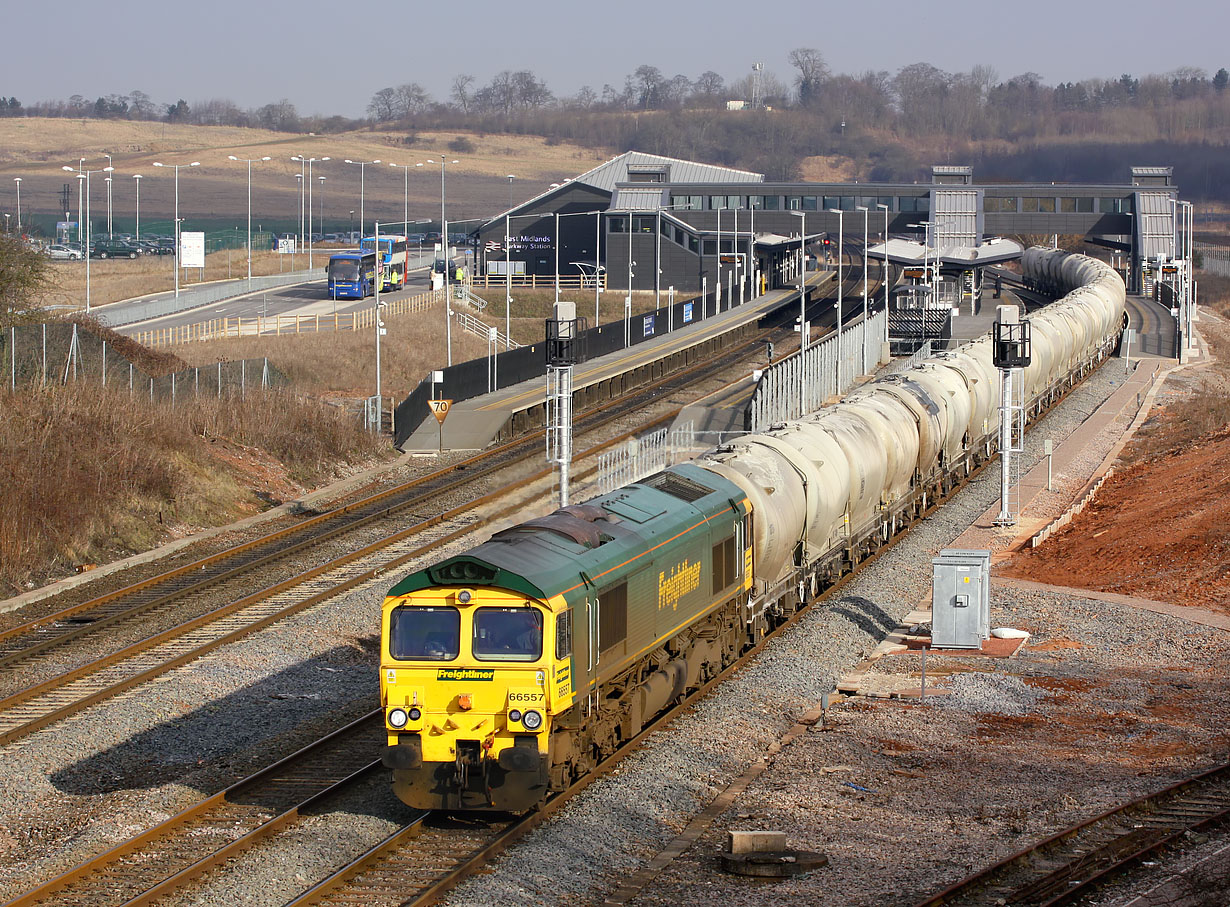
(306, 299)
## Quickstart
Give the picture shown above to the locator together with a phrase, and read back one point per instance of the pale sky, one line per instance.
(330, 58)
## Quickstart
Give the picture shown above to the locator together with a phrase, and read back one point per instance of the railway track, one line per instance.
(202, 837)
(1068, 865)
(231, 610)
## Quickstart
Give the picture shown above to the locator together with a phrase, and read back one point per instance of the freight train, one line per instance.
(514, 668)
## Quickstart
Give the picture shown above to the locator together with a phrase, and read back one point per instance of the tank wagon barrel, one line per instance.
(512, 669)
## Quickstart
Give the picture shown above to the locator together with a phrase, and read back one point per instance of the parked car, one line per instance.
(114, 249)
(60, 252)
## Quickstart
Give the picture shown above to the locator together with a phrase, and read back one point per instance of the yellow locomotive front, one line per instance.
(466, 681)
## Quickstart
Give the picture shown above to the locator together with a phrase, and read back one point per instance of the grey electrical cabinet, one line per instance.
(960, 598)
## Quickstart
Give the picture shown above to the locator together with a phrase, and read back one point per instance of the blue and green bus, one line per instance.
(352, 275)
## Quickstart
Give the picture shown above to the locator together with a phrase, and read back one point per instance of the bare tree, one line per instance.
(411, 99)
(281, 116)
(648, 82)
(585, 98)
(141, 105)
(383, 105)
(530, 93)
(708, 85)
(812, 72)
(676, 91)
(461, 92)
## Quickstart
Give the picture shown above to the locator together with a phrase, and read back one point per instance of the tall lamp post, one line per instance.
(803, 331)
(508, 263)
(321, 208)
(137, 178)
(308, 183)
(405, 198)
(83, 180)
(885, 279)
(249, 161)
(864, 210)
(362, 191)
(177, 230)
(841, 238)
(110, 234)
(17, 180)
(448, 301)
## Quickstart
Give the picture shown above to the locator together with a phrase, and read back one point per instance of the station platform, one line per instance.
(473, 424)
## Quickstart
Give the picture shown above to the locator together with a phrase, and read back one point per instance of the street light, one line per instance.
(841, 238)
(249, 163)
(803, 331)
(17, 180)
(405, 201)
(362, 190)
(321, 209)
(110, 235)
(83, 183)
(657, 277)
(885, 207)
(177, 231)
(309, 161)
(448, 302)
(137, 177)
(508, 263)
(864, 210)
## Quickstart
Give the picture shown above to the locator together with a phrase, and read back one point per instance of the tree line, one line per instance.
(891, 125)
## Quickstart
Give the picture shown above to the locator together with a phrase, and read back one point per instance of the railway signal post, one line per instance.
(1011, 353)
(563, 352)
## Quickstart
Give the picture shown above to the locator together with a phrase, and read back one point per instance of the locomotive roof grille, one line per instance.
(677, 486)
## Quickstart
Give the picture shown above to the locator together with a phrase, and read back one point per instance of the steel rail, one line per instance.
(1069, 863)
(204, 813)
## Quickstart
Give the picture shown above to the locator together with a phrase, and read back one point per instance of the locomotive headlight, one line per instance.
(415, 714)
(398, 718)
(532, 720)
(514, 715)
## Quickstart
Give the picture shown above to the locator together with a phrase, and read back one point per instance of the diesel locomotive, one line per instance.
(514, 668)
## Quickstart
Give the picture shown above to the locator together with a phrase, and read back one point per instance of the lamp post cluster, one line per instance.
(83, 183)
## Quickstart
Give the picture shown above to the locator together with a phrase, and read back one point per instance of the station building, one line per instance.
(648, 222)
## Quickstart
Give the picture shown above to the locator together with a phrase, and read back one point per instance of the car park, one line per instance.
(60, 252)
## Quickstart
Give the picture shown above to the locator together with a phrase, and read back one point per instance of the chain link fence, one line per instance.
(37, 355)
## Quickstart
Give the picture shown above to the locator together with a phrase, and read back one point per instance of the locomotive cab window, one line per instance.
(424, 634)
(507, 634)
(563, 634)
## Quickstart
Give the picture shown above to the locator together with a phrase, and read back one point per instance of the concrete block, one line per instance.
(757, 841)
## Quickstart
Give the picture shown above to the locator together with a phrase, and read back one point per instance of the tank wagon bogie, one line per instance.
(516, 667)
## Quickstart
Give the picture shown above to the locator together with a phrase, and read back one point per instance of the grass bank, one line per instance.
(93, 475)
